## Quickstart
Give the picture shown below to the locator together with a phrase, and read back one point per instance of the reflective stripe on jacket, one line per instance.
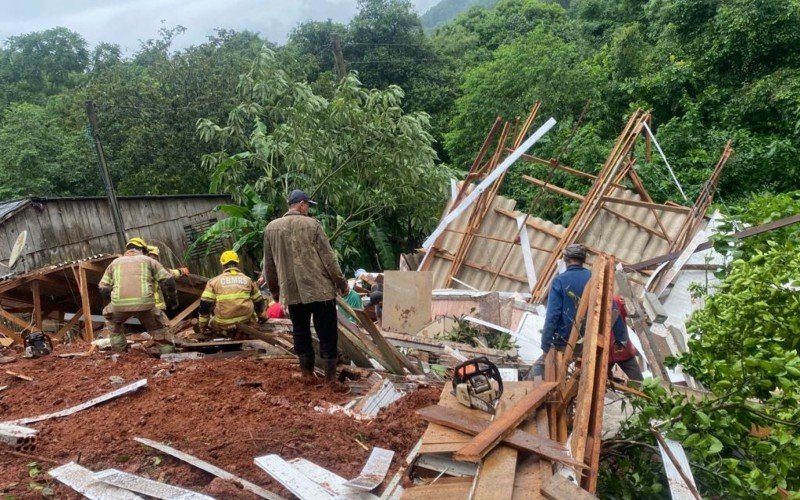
(233, 295)
(159, 299)
(133, 280)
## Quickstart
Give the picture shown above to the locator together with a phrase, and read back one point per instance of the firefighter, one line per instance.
(154, 253)
(129, 288)
(232, 297)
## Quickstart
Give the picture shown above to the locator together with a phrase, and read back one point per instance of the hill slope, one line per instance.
(447, 10)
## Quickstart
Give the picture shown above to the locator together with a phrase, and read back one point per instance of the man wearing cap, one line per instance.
(128, 290)
(301, 269)
(562, 302)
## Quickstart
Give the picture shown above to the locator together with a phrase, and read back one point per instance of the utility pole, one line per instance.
(336, 45)
(116, 215)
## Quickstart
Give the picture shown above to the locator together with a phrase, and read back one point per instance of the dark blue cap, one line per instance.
(299, 195)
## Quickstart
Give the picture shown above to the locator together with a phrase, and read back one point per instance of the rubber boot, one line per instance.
(330, 370)
(307, 368)
(330, 376)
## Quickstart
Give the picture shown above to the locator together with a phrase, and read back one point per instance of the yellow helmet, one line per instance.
(137, 242)
(153, 250)
(228, 256)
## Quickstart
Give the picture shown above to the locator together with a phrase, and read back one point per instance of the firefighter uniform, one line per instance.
(232, 297)
(130, 284)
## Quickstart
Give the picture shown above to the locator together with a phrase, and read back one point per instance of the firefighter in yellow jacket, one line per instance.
(129, 286)
(232, 297)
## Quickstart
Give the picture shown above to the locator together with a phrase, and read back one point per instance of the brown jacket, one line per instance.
(299, 263)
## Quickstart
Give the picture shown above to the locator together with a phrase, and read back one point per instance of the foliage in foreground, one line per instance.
(742, 440)
(369, 164)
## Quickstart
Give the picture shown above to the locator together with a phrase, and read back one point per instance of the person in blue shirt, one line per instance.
(562, 304)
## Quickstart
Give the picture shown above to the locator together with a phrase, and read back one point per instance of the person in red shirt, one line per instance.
(622, 354)
(275, 310)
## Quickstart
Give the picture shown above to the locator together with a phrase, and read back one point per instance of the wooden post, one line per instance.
(37, 304)
(86, 304)
(340, 67)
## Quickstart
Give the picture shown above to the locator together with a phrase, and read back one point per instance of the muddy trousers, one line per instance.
(325, 324)
(152, 320)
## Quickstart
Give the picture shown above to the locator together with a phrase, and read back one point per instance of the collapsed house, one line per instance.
(486, 269)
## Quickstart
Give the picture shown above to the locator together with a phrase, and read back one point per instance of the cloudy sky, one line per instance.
(127, 21)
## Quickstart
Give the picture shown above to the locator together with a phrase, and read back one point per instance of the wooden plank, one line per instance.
(185, 313)
(353, 351)
(446, 488)
(211, 469)
(69, 324)
(389, 351)
(496, 475)
(484, 442)
(15, 319)
(86, 303)
(600, 375)
(16, 337)
(558, 487)
(636, 203)
(466, 421)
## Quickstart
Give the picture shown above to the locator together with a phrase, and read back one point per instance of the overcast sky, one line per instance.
(127, 21)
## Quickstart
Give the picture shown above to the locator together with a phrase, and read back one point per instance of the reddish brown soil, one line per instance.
(199, 409)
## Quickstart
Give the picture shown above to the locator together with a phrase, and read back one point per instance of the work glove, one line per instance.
(184, 271)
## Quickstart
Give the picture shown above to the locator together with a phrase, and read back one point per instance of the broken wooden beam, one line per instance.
(523, 441)
(504, 425)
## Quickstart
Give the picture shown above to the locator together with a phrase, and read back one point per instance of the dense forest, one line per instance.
(377, 144)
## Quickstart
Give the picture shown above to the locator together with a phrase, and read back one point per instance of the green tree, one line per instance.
(41, 154)
(366, 161)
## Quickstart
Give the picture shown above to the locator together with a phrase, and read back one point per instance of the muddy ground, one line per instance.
(225, 411)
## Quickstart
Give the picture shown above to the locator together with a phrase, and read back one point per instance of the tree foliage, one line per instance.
(368, 163)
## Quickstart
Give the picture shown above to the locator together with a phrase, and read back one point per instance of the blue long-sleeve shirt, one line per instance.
(562, 304)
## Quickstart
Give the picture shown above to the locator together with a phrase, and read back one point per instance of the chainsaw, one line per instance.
(37, 344)
(477, 384)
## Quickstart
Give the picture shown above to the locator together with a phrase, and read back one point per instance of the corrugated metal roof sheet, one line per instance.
(491, 250)
(8, 208)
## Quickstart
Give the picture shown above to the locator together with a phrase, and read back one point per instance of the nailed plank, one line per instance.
(558, 487)
(464, 421)
(210, 468)
(329, 480)
(374, 470)
(145, 486)
(81, 480)
(92, 402)
(292, 479)
(502, 426)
